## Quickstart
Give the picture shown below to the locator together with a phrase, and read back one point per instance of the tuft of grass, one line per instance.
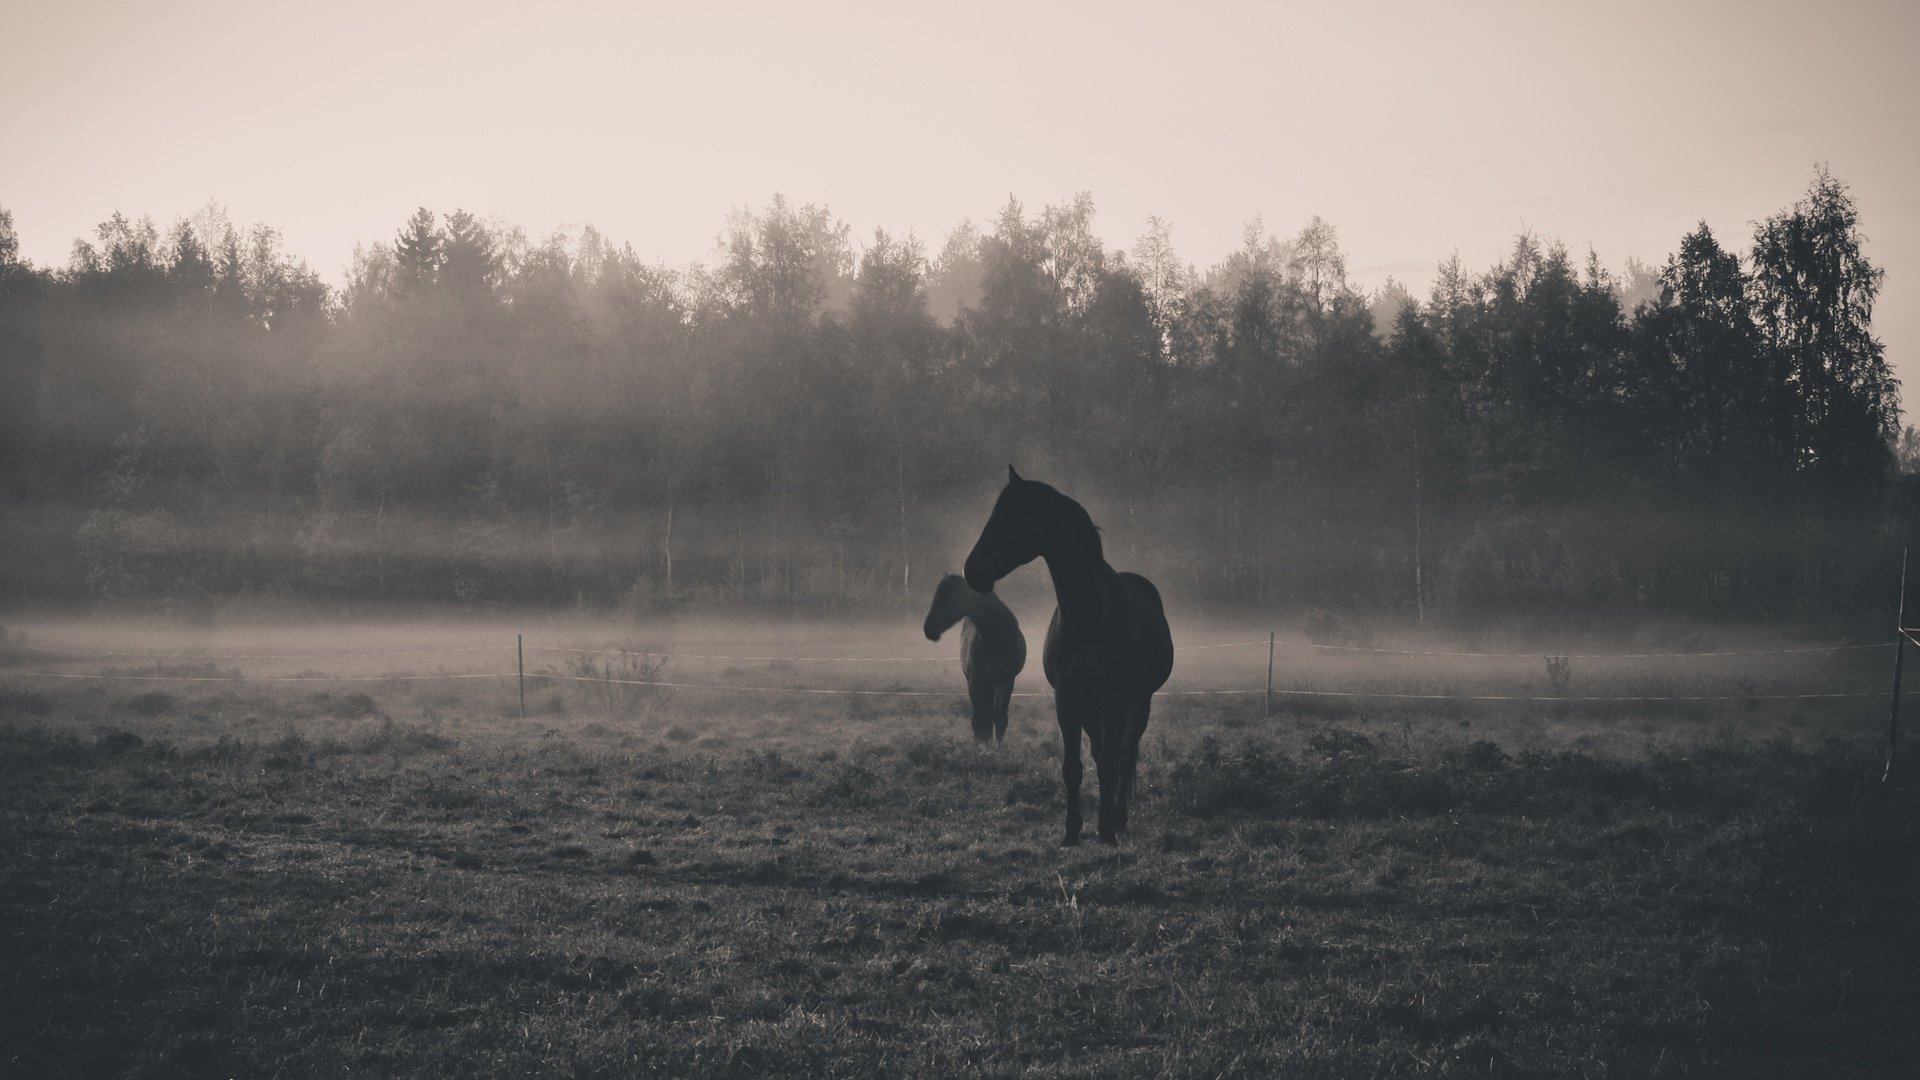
(151, 703)
(17, 702)
(399, 740)
(347, 706)
(117, 742)
(855, 787)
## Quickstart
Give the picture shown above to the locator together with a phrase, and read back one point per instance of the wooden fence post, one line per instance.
(520, 656)
(1899, 654)
(1268, 715)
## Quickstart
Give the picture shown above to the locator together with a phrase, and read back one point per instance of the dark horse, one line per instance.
(992, 650)
(1108, 649)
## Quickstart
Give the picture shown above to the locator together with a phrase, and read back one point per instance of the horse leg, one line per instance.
(1072, 719)
(1000, 713)
(1136, 725)
(1107, 760)
(982, 692)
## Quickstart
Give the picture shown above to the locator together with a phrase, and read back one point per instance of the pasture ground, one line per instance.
(403, 878)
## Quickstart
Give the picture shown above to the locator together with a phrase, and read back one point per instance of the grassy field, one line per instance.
(393, 877)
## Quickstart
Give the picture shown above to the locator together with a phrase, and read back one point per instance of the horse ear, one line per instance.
(1012, 476)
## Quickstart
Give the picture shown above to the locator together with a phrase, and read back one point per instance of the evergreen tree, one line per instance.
(417, 254)
(469, 264)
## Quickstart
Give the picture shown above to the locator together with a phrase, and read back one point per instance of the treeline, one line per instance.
(195, 416)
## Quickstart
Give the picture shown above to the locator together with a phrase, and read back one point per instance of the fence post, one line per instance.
(1268, 714)
(520, 657)
(1899, 654)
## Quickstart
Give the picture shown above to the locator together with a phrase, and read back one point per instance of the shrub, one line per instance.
(1210, 781)
(117, 742)
(1559, 674)
(1483, 756)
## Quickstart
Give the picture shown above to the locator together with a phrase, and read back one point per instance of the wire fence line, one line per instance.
(150, 655)
(237, 677)
(617, 650)
(1606, 656)
(744, 688)
(1277, 693)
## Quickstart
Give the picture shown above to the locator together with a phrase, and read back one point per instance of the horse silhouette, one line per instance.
(1108, 649)
(992, 650)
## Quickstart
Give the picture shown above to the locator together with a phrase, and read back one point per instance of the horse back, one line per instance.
(997, 659)
(1135, 653)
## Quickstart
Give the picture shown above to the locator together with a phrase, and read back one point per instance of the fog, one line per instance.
(815, 424)
(808, 670)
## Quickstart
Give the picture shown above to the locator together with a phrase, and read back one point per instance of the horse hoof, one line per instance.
(1070, 841)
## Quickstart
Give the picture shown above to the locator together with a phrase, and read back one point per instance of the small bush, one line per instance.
(117, 742)
(1483, 756)
(1559, 674)
(1210, 781)
(292, 751)
(618, 681)
(1342, 743)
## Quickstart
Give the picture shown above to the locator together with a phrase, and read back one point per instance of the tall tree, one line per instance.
(1164, 279)
(1813, 292)
(417, 254)
(9, 249)
(954, 280)
(469, 262)
(892, 334)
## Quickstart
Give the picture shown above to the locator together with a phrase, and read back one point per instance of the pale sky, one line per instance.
(1417, 129)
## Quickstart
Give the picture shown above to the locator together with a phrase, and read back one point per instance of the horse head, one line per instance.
(1013, 535)
(949, 606)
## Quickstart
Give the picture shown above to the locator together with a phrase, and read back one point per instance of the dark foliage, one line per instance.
(194, 419)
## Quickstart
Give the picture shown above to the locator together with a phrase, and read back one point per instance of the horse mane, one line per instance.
(1076, 515)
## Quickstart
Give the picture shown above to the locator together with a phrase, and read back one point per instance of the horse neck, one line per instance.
(991, 618)
(1079, 579)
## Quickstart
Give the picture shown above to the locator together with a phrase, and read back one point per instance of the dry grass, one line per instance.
(256, 879)
(315, 892)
